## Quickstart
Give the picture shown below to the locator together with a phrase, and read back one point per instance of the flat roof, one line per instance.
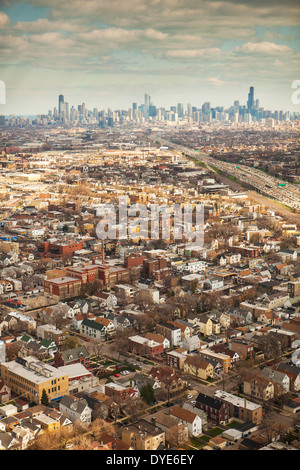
(236, 401)
(35, 370)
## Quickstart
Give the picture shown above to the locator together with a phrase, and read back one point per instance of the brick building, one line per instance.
(216, 410)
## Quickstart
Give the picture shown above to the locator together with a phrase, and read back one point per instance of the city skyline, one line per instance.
(107, 54)
(251, 105)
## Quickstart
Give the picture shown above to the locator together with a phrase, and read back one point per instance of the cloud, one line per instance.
(216, 81)
(192, 53)
(268, 48)
(4, 20)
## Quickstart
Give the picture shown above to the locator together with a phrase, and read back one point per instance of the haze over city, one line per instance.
(150, 228)
(108, 54)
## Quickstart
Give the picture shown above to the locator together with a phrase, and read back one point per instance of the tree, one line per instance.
(69, 343)
(45, 398)
(147, 393)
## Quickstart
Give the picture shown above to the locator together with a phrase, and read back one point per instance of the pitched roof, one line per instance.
(183, 414)
(209, 401)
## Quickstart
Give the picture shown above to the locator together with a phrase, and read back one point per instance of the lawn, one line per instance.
(216, 431)
(197, 444)
(233, 424)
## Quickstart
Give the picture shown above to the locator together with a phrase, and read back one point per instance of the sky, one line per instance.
(108, 53)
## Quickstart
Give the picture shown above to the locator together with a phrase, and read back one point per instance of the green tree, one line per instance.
(147, 393)
(45, 398)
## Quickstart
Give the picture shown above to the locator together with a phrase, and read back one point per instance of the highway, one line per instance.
(287, 195)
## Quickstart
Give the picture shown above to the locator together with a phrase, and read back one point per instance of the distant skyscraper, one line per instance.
(180, 110)
(61, 100)
(206, 106)
(147, 100)
(250, 102)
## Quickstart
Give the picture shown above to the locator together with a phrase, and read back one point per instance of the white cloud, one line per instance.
(192, 53)
(4, 20)
(268, 48)
(216, 81)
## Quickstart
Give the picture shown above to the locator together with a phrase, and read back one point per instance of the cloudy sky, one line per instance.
(108, 53)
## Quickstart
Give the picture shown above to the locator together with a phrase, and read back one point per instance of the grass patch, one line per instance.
(232, 425)
(196, 443)
(199, 163)
(216, 431)
(204, 438)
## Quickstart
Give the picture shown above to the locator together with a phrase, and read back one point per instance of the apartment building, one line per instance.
(143, 436)
(241, 408)
(28, 377)
(171, 332)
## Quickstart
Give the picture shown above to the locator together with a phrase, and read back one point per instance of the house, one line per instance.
(216, 410)
(259, 387)
(107, 323)
(93, 329)
(76, 307)
(223, 359)
(159, 339)
(5, 392)
(7, 441)
(78, 319)
(176, 431)
(169, 380)
(109, 442)
(121, 322)
(198, 367)
(72, 356)
(224, 348)
(292, 326)
(171, 332)
(243, 347)
(293, 372)
(240, 316)
(191, 343)
(50, 332)
(143, 435)
(105, 299)
(288, 255)
(23, 435)
(102, 405)
(280, 378)
(185, 329)
(75, 409)
(191, 420)
(119, 392)
(224, 320)
(278, 299)
(139, 381)
(175, 359)
(145, 347)
(205, 325)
